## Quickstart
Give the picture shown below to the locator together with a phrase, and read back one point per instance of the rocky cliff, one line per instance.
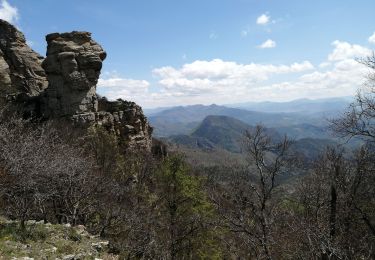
(21, 72)
(63, 85)
(72, 65)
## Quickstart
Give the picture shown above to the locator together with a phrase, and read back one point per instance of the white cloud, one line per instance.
(244, 33)
(222, 82)
(218, 69)
(219, 81)
(324, 64)
(263, 19)
(114, 86)
(341, 77)
(345, 50)
(371, 39)
(268, 44)
(342, 80)
(201, 81)
(8, 13)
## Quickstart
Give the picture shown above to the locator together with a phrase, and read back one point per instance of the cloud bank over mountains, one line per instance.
(228, 81)
(220, 81)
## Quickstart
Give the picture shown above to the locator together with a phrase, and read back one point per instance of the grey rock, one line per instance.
(122, 118)
(21, 73)
(69, 257)
(100, 246)
(73, 65)
(63, 85)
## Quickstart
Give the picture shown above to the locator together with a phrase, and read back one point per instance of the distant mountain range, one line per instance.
(218, 132)
(223, 132)
(326, 106)
(298, 119)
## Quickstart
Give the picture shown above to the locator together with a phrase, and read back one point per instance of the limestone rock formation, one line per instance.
(123, 118)
(72, 68)
(21, 74)
(73, 65)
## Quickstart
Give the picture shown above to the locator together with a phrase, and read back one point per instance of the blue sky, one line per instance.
(168, 52)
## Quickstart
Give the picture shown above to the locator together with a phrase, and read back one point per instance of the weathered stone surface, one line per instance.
(123, 118)
(21, 73)
(73, 65)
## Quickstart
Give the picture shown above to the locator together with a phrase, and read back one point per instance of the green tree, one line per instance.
(186, 213)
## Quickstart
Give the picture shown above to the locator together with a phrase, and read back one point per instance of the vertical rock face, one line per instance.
(124, 119)
(73, 67)
(21, 74)
(128, 122)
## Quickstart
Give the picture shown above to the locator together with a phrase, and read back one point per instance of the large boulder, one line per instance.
(21, 74)
(73, 65)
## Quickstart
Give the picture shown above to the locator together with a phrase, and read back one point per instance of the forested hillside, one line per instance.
(82, 177)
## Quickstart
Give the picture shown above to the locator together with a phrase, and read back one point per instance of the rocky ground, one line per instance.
(49, 241)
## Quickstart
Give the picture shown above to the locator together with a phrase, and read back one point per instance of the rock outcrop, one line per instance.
(63, 85)
(124, 119)
(73, 65)
(21, 74)
(79, 244)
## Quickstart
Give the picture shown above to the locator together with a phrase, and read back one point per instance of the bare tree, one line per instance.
(43, 177)
(359, 119)
(248, 203)
(337, 205)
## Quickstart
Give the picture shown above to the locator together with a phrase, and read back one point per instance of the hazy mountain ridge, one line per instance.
(223, 132)
(297, 124)
(305, 106)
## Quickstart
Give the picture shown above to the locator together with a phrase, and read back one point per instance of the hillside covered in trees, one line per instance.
(85, 171)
